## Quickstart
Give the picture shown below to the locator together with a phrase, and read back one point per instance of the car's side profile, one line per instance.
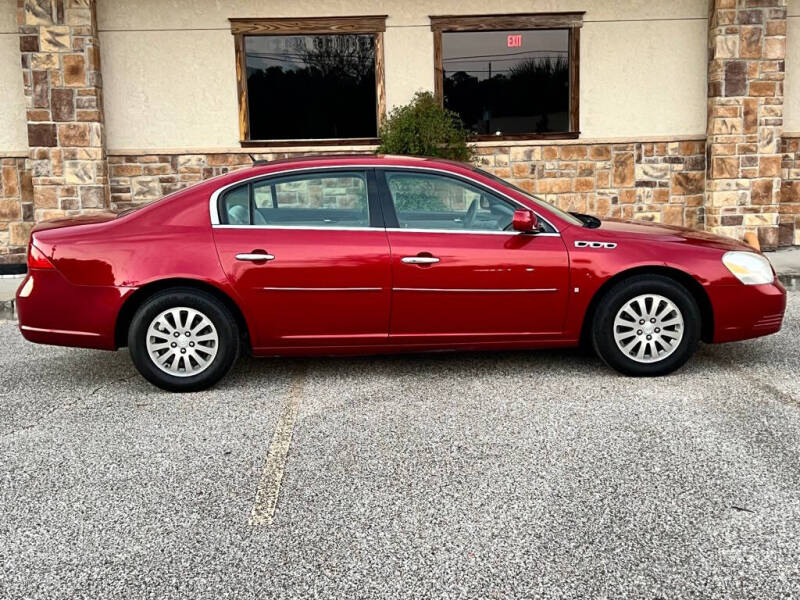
(366, 254)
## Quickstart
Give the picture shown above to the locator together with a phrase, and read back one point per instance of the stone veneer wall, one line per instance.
(60, 59)
(661, 181)
(789, 223)
(747, 47)
(654, 181)
(16, 209)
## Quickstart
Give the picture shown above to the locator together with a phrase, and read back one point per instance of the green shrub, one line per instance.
(423, 128)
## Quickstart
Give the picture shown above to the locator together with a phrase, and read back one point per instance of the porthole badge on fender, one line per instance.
(585, 244)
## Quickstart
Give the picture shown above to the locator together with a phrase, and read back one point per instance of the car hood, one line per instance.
(624, 229)
(72, 221)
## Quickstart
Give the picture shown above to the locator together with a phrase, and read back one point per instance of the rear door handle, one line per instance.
(255, 257)
(420, 260)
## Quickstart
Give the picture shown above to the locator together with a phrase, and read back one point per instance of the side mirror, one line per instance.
(525, 221)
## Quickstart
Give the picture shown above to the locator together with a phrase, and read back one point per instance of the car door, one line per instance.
(460, 274)
(308, 254)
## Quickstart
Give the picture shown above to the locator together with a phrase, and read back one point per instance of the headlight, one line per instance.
(748, 267)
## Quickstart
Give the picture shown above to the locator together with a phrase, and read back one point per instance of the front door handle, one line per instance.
(420, 260)
(255, 256)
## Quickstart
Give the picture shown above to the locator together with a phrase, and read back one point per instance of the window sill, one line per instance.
(309, 143)
(566, 135)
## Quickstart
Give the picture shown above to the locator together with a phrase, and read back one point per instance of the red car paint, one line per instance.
(348, 291)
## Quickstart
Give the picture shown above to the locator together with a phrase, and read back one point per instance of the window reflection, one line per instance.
(507, 82)
(311, 86)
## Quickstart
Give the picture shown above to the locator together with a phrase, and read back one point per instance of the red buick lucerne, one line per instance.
(366, 254)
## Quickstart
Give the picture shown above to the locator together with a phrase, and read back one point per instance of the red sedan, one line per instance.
(366, 254)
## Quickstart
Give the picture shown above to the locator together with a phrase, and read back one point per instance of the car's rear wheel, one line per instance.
(646, 325)
(183, 340)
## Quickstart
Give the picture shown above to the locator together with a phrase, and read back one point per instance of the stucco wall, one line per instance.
(643, 78)
(13, 136)
(169, 89)
(170, 82)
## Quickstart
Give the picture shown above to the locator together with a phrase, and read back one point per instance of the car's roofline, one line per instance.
(334, 160)
(376, 159)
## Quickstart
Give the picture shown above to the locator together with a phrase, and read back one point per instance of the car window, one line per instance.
(319, 200)
(424, 201)
(236, 205)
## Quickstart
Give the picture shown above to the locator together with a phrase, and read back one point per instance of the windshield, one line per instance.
(546, 205)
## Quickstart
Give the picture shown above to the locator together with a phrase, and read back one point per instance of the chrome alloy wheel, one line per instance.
(648, 328)
(182, 341)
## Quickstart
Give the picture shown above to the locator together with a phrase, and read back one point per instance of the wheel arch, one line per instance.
(137, 298)
(682, 277)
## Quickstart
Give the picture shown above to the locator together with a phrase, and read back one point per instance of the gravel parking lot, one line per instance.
(505, 475)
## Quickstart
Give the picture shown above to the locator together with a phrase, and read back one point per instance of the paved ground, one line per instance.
(449, 476)
(10, 283)
(8, 291)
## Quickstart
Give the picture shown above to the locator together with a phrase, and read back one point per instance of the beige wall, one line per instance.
(643, 78)
(170, 83)
(13, 131)
(791, 100)
(169, 90)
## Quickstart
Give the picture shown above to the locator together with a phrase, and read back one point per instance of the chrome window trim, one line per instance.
(214, 213)
(468, 231)
(308, 227)
(385, 229)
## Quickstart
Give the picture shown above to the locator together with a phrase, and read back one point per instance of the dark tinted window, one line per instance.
(311, 86)
(508, 82)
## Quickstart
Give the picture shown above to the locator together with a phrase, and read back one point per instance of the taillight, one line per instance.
(37, 259)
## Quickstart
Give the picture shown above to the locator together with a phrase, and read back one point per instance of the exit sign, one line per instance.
(514, 40)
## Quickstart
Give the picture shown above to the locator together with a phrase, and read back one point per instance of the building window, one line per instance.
(314, 80)
(510, 76)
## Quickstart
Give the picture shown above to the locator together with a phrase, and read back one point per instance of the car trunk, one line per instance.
(72, 221)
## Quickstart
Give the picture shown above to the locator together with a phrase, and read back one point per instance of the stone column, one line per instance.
(63, 94)
(747, 46)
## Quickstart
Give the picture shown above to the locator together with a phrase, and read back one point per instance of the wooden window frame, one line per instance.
(369, 25)
(573, 21)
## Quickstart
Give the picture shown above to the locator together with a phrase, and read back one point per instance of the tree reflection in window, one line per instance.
(311, 86)
(508, 90)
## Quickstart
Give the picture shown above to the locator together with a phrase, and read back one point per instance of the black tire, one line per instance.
(219, 315)
(602, 330)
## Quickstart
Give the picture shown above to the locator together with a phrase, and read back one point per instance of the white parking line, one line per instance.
(269, 486)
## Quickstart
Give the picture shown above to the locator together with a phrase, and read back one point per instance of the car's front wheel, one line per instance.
(183, 340)
(646, 325)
